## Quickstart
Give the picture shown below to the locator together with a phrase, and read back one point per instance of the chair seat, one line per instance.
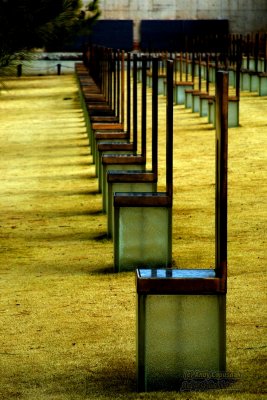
(179, 281)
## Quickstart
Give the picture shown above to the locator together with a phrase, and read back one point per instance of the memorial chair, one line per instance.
(135, 180)
(106, 143)
(143, 221)
(121, 161)
(181, 313)
(181, 84)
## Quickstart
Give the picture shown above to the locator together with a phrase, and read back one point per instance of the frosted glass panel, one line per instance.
(142, 237)
(127, 187)
(115, 167)
(177, 334)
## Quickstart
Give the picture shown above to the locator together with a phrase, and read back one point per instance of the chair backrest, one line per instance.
(155, 115)
(169, 130)
(135, 109)
(144, 106)
(221, 175)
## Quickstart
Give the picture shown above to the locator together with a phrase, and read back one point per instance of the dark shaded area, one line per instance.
(116, 34)
(183, 35)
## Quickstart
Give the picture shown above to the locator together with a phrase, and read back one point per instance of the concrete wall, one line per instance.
(244, 16)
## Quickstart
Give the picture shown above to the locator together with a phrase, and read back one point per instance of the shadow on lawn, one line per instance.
(117, 379)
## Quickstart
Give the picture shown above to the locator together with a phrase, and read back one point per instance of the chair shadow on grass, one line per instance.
(120, 379)
(117, 379)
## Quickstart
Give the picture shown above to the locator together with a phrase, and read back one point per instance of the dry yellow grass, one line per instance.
(67, 321)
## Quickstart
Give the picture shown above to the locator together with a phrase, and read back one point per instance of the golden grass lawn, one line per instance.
(67, 320)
